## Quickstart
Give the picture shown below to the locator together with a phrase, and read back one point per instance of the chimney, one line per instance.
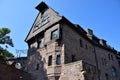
(89, 32)
(42, 7)
(102, 42)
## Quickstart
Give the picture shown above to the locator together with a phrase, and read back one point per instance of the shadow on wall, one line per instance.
(8, 72)
(35, 65)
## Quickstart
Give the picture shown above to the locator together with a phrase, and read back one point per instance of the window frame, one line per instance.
(41, 23)
(73, 58)
(52, 34)
(37, 66)
(39, 44)
(106, 76)
(114, 71)
(50, 60)
(81, 43)
(58, 59)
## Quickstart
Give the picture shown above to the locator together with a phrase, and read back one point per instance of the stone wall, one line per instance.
(10, 73)
(40, 57)
(71, 40)
(78, 70)
(106, 60)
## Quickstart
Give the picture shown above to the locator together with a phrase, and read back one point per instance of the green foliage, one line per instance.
(4, 38)
(4, 54)
(4, 31)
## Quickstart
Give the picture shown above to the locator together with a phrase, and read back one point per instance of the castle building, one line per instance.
(61, 50)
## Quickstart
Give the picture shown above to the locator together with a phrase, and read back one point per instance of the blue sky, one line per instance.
(102, 16)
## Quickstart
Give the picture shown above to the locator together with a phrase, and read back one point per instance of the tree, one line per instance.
(5, 40)
(4, 54)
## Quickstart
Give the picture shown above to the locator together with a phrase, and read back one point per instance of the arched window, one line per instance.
(114, 72)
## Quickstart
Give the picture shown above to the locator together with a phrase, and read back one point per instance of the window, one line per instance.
(45, 20)
(57, 77)
(58, 60)
(37, 25)
(37, 67)
(81, 45)
(42, 22)
(111, 57)
(119, 63)
(114, 73)
(39, 44)
(50, 60)
(73, 58)
(54, 34)
(104, 61)
(106, 76)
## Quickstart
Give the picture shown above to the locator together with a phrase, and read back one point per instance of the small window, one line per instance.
(41, 23)
(45, 20)
(106, 76)
(119, 63)
(81, 44)
(54, 34)
(58, 60)
(112, 58)
(37, 25)
(109, 56)
(39, 45)
(73, 58)
(104, 61)
(37, 67)
(114, 72)
(50, 60)
(57, 77)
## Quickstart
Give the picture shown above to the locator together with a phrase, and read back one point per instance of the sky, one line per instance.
(102, 16)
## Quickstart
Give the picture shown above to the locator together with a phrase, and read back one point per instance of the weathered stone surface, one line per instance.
(82, 55)
(8, 72)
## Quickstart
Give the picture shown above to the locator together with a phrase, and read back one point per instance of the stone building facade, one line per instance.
(61, 50)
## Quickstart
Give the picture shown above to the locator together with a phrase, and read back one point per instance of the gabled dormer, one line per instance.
(45, 19)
